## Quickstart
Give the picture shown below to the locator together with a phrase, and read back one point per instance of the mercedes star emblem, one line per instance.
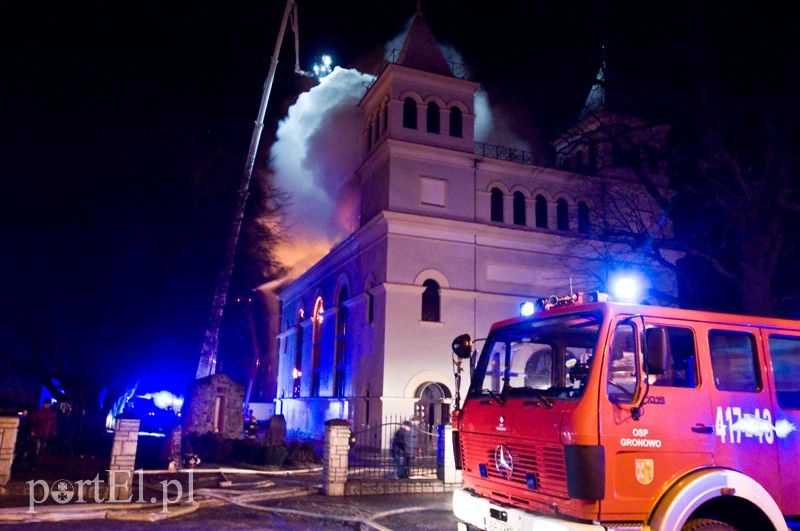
(503, 461)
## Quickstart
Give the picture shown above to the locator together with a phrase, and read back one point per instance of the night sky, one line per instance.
(127, 125)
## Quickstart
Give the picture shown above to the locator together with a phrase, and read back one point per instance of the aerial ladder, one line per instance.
(208, 357)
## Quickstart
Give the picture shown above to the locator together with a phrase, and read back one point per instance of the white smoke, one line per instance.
(317, 151)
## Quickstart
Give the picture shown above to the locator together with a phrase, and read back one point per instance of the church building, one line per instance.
(454, 235)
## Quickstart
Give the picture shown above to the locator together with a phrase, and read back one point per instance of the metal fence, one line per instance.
(371, 450)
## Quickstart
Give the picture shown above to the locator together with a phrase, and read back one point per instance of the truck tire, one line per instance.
(706, 524)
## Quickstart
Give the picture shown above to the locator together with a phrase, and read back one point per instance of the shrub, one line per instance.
(245, 451)
(273, 455)
(302, 453)
(212, 447)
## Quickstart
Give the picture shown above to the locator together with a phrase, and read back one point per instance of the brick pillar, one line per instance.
(8, 439)
(451, 474)
(335, 458)
(123, 459)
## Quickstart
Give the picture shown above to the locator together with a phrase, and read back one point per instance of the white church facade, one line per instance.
(453, 236)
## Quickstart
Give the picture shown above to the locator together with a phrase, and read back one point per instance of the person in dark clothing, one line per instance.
(401, 452)
(43, 426)
(251, 429)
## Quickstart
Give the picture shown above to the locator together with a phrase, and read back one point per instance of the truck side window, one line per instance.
(785, 353)
(621, 384)
(733, 361)
(681, 360)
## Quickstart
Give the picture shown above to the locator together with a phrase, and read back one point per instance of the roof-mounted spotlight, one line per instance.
(626, 289)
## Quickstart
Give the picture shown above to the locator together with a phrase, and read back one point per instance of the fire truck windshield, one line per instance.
(545, 358)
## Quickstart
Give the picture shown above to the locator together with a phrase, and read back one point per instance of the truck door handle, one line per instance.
(702, 428)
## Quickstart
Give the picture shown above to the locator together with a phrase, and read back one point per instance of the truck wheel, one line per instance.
(706, 524)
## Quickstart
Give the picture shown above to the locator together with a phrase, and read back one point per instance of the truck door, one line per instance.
(742, 405)
(674, 433)
(784, 353)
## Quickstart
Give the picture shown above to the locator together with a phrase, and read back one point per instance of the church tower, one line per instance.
(418, 101)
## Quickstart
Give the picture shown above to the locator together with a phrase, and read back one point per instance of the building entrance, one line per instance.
(433, 406)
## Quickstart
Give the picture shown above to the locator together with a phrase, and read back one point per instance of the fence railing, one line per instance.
(371, 454)
(504, 153)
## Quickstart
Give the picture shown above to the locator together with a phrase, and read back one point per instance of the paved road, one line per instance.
(395, 512)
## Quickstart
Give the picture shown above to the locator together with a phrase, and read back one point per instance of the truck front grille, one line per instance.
(543, 460)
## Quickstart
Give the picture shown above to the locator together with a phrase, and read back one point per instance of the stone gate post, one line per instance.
(123, 459)
(335, 458)
(8, 440)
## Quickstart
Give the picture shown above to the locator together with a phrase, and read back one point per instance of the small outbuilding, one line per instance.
(214, 404)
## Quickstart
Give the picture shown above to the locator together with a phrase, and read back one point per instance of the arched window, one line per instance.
(433, 118)
(456, 122)
(385, 116)
(298, 357)
(562, 215)
(377, 127)
(541, 212)
(341, 344)
(583, 217)
(497, 205)
(316, 347)
(430, 301)
(369, 137)
(410, 113)
(519, 208)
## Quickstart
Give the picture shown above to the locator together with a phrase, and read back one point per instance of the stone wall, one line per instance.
(214, 404)
(8, 439)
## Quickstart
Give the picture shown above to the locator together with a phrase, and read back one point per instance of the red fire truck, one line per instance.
(592, 414)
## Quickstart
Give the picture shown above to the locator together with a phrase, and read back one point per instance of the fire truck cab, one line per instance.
(596, 415)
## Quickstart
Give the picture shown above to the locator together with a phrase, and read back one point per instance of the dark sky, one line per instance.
(111, 110)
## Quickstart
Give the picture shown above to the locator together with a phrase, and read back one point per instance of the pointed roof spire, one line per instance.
(596, 100)
(421, 49)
